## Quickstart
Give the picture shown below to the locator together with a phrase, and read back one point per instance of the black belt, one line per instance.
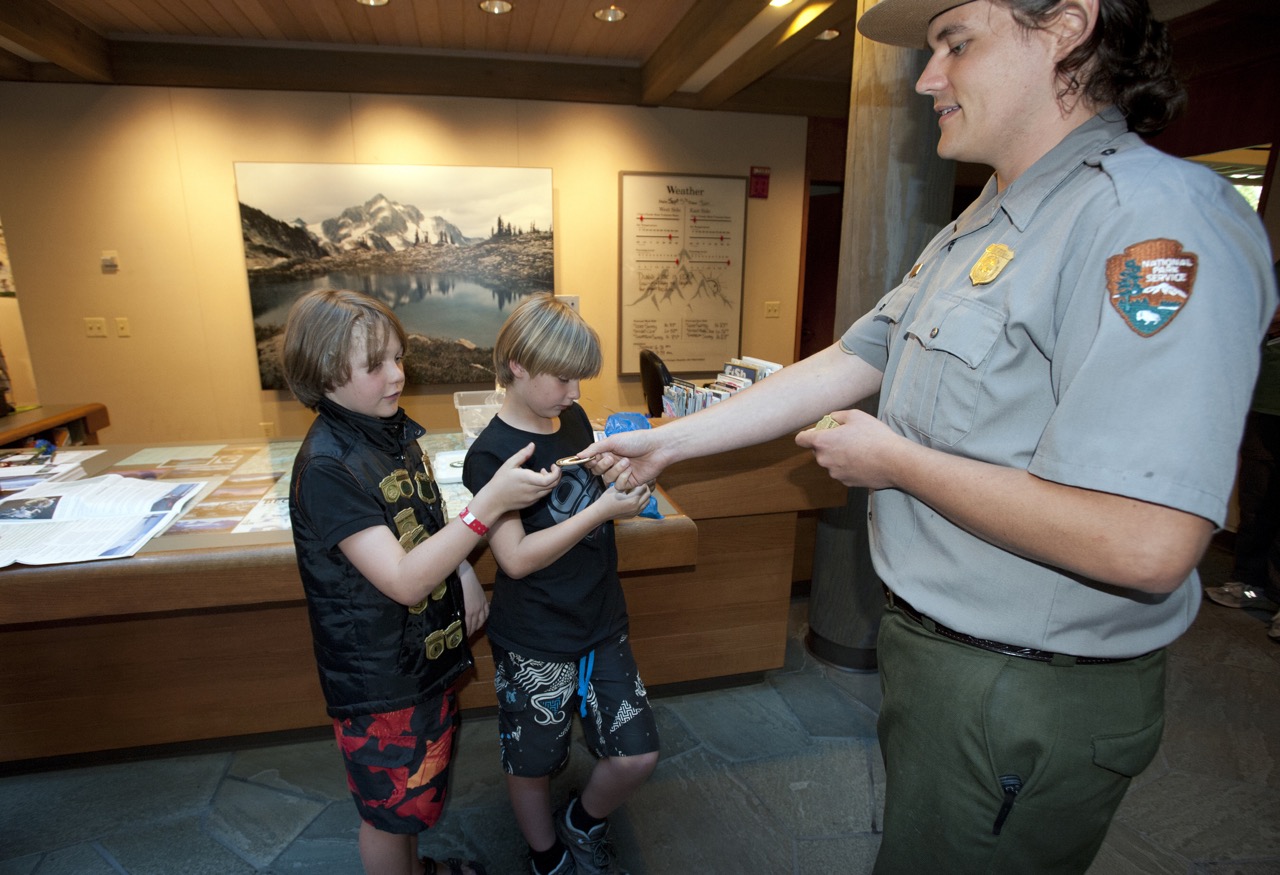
(995, 646)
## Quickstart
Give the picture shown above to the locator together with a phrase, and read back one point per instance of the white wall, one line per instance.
(148, 173)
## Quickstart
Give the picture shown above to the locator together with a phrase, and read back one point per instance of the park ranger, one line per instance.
(1063, 377)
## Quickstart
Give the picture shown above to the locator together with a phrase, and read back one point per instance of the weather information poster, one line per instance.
(680, 272)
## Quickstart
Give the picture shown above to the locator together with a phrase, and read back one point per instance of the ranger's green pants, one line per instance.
(966, 733)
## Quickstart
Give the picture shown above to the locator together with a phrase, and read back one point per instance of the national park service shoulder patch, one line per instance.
(1150, 282)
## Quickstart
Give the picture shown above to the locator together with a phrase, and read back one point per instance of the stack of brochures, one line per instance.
(17, 473)
(106, 517)
(681, 397)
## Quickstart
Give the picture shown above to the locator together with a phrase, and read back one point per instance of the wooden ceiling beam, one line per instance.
(199, 65)
(813, 98)
(786, 41)
(13, 67)
(45, 30)
(705, 28)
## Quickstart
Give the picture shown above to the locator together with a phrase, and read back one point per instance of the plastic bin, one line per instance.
(475, 409)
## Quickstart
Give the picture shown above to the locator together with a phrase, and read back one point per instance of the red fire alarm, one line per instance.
(759, 182)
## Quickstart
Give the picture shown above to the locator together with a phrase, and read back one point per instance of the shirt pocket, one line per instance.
(939, 384)
(893, 306)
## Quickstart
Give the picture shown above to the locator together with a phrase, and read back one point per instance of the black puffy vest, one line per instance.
(374, 654)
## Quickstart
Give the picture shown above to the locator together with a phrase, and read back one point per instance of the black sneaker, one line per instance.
(592, 851)
(564, 867)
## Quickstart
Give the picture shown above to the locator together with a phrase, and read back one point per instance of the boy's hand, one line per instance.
(514, 487)
(475, 605)
(617, 505)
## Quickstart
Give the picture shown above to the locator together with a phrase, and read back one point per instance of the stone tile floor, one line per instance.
(780, 776)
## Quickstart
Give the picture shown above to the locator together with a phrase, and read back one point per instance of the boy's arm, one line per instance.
(474, 602)
(409, 577)
(521, 554)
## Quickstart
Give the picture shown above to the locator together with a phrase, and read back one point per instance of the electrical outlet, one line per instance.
(268, 429)
(122, 326)
(571, 300)
(95, 326)
(772, 309)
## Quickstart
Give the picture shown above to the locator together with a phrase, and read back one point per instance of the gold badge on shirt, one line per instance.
(988, 267)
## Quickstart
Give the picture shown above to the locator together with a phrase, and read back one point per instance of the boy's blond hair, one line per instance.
(323, 327)
(546, 336)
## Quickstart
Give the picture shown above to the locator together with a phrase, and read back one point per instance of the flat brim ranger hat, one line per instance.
(906, 22)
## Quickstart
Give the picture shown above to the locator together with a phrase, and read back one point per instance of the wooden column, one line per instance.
(897, 195)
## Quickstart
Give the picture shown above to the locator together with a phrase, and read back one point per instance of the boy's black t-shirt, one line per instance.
(563, 611)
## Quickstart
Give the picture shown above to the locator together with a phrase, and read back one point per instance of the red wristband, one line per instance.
(469, 519)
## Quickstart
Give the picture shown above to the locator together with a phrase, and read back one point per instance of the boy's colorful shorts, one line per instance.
(537, 701)
(398, 763)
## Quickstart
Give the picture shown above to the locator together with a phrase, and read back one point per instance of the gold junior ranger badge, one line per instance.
(988, 267)
(1150, 282)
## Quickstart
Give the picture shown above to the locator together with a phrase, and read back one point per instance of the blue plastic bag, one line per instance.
(620, 422)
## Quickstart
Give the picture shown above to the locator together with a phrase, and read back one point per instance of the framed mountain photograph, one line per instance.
(450, 249)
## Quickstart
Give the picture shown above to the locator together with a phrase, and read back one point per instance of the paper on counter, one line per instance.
(105, 517)
(448, 466)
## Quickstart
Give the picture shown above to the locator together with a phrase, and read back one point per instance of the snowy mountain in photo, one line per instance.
(383, 225)
(378, 225)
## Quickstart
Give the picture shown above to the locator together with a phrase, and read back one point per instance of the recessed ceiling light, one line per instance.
(827, 35)
(497, 7)
(779, 2)
(373, 2)
(612, 14)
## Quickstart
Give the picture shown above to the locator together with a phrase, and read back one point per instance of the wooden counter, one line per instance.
(203, 636)
(198, 636)
(84, 421)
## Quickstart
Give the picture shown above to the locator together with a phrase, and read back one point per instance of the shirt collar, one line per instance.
(388, 434)
(1021, 199)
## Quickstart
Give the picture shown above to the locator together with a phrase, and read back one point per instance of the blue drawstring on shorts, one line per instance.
(585, 665)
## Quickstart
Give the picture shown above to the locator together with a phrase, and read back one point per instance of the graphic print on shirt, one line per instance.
(1150, 282)
(577, 488)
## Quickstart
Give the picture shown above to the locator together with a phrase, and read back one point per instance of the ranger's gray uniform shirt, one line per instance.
(1115, 351)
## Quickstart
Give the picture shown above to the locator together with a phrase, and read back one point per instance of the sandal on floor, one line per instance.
(453, 866)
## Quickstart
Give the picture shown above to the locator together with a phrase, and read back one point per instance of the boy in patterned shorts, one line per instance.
(558, 622)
